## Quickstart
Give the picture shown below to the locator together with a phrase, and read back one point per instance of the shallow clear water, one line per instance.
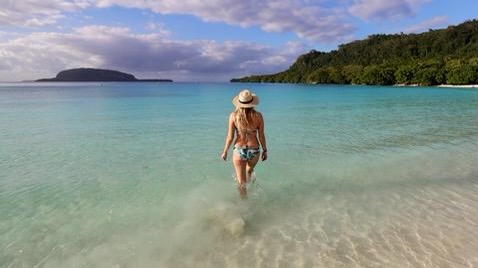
(129, 175)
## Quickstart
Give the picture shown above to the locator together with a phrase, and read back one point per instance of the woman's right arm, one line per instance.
(229, 137)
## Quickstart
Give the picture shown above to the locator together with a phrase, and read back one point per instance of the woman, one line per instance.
(248, 126)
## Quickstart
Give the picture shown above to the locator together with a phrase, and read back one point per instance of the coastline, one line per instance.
(460, 86)
(442, 85)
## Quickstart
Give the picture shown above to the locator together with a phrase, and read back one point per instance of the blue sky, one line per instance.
(194, 40)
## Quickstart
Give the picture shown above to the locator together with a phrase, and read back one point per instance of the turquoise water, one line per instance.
(129, 175)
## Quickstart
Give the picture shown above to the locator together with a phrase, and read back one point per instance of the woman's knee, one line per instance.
(249, 169)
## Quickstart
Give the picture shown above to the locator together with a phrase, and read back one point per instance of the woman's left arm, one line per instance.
(262, 137)
(229, 137)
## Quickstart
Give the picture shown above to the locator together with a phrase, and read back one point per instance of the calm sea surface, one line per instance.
(129, 175)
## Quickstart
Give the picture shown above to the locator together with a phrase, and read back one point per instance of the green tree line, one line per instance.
(444, 56)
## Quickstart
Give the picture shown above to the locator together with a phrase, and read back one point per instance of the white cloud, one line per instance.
(317, 21)
(159, 28)
(145, 55)
(432, 23)
(38, 13)
(382, 10)
(308, 20)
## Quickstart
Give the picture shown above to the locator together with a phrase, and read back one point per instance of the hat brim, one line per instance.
(253, 103)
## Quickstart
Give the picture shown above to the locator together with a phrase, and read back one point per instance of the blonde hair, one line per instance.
(244, 117)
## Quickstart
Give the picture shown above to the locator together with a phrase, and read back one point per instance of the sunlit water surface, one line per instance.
(129, 175)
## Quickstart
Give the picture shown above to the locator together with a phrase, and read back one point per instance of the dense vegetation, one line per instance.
(445, 56)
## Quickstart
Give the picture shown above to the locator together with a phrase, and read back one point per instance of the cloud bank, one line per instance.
(308, 19)
(145, 55)
(435, 22)
(383, 10)
(315, 21)
(43, 54)
(38, 13)
(318, 20)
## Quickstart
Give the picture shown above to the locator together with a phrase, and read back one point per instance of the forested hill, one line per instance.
(445, 56)
(96, 75)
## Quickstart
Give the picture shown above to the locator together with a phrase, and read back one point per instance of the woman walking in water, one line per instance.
(247, 125)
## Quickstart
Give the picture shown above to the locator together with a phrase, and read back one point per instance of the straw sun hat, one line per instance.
(245, 99)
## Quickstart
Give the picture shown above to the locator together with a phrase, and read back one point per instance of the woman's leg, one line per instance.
(250, 166)
(240, 167)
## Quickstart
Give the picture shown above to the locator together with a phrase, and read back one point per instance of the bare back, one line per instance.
(248, 136)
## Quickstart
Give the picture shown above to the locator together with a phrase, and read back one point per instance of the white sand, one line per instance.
(459, 86)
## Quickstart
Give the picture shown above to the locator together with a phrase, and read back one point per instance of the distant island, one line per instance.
(445, 56)
(96, 75)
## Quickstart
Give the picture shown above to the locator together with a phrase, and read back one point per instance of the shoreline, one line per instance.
(459, 86)
(442, 85)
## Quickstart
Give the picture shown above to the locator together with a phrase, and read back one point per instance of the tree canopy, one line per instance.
(444, 56)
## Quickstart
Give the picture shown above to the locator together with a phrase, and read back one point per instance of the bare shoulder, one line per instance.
(259, 115)
(231, 119)
(259, 120)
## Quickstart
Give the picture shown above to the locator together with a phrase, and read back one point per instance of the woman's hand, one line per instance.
(264, 155)
(224, 156)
